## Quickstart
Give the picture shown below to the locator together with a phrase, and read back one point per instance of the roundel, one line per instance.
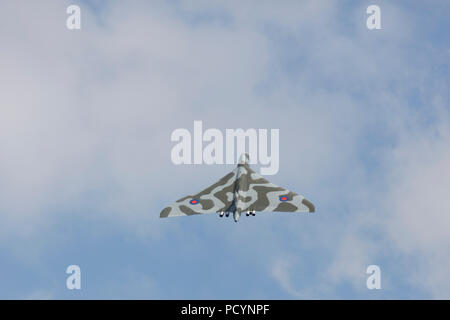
(284, 198)
(194, 201)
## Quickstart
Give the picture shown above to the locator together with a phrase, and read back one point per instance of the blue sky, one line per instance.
(85, 124)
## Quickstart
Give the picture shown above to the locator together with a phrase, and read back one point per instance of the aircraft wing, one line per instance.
(217, 197)
(257, 193)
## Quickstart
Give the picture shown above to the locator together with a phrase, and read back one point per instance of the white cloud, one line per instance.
(281, 272)
(86, 117)
(417, 208)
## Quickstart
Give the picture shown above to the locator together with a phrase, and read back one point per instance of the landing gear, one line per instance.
(250, 213)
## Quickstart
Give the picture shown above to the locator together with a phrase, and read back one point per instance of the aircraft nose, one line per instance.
(244, 158)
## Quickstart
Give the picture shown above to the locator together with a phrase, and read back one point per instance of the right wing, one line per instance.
(217, 197)
(259, 194)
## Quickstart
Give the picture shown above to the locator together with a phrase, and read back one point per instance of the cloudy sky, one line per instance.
(85, 169)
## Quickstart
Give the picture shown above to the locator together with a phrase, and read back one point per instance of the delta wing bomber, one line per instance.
(242, 190)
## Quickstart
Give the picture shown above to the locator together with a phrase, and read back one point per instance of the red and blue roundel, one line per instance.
(194, 201)
(284, 198)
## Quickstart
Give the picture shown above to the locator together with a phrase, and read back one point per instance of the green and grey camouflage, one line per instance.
(242, 190)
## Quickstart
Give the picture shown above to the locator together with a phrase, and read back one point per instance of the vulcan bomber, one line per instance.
(241, 190)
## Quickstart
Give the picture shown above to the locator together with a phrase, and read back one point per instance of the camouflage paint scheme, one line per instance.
(242, 190)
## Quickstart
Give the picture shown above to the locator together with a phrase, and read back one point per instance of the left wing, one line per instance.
(217, 197)
(258, 194)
